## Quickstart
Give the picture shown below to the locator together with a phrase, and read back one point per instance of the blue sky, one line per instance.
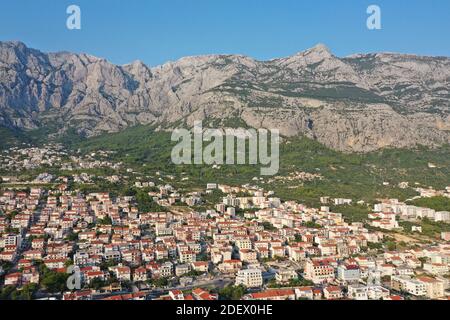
(156, 31)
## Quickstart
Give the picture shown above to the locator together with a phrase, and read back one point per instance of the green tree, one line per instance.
(97, 283)
(232, 292)
(52, 281)
(391, 245)
(146, 204)
(28, 292)
(436, 203)
(107, 221)
(160, 282)
(72, 236)
(268, 226)
(6, 292)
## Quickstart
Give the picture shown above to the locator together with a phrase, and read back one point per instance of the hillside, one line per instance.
(358, 176)
(10, 138)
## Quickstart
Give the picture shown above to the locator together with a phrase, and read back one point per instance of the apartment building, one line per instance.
(319, 271)
(250, 278)
(409, 285)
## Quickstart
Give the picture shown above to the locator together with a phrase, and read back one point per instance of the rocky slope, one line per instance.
(358, 103)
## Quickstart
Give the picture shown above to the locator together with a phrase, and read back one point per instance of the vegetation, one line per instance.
(268, 226)
(353, 213)
(72, 236)
(10, 137)
(52, 281)
(194, 273)
(146, 204)
(365, 177)
(436, 203)
(430, 228)
(356, 176)
(312, 225)
(214, 197)
(159, 282)
(375, 245)
(232, 292)
(433, 229)
(27, 292)
(391, 245)
(6, 266)
(105, 221)
(98, 283)
(299, 282)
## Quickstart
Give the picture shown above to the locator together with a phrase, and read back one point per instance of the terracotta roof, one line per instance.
(272, 293)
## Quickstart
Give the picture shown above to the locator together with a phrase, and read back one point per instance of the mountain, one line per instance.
(358, 103)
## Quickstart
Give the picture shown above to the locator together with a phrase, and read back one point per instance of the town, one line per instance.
(157, 242)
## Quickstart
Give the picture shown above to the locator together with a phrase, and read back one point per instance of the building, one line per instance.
(442, 216)
(304, 293)
(434, 287)
(230, 266)
(243, 244)
(377, 292)
(348, 273)
(250, 278)
(319, 271)
(409, 285)
(187, 256)
(358, 292)
(200, 294)
(246, 255)
(285, 275)
(182, 269)
(436, 268)
(12, 240)
(166, 270)
(272, 295)
(445, 236)
(176, 295)
(333, 293)
(200, 266)
(362, 292)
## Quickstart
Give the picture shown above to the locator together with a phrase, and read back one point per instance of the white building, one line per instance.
(250, 278)
(412, 286)
(436, 268)
(348, 273)
(442, 216)
(358, 292)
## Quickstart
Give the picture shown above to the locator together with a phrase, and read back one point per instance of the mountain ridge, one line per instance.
(359, 103)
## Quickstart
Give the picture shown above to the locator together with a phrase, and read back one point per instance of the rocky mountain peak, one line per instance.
(318, 54)
(359, 103)
(139, 70)
(320, 50)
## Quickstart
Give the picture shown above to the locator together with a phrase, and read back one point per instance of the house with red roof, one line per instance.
(200, 294)
(333, 293)
(272, 294)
